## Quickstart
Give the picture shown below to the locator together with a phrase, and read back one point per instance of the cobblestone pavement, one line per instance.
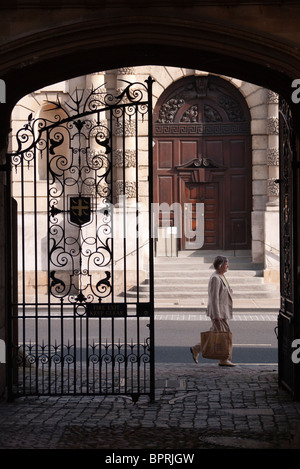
(195, 407)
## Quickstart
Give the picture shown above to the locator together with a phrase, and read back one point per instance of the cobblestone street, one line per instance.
(195, 407)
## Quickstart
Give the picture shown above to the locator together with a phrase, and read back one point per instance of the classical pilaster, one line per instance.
(271, 235)
(273, 151)
(124, 156)
(96, 157)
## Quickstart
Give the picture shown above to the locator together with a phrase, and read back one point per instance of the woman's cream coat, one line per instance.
(219, 298)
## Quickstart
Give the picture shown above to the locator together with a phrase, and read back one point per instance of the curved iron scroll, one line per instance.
(75, 145)
(286, 203)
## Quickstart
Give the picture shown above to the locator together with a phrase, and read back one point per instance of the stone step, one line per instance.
(213, 253)
(173, 287)
(203, 295)
(204, 260)
(210, 255)
(196, 276)
(182, 281)
(201, 260)
(197, 266)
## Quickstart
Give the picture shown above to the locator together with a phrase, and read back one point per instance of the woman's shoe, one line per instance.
(195, 355)
(226, 363)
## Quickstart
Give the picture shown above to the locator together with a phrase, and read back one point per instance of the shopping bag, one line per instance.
(216, 345)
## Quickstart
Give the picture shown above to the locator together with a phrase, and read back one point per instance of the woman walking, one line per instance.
(219, 306)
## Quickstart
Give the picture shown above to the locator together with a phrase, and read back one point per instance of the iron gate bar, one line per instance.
(151, 251)
(288, 317)
(9, 271)
(58, 365)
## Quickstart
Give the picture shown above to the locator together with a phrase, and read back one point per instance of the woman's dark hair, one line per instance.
(219, 260)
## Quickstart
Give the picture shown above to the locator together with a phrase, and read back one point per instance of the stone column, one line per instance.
(271, 272)
(257, 101)
(125, 187)
(124, 168)
(97, 83)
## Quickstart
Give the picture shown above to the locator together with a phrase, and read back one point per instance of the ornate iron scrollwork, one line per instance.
(286, 199)
(78, 152)
(69, 154)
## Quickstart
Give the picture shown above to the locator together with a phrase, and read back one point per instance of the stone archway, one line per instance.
(225, 40)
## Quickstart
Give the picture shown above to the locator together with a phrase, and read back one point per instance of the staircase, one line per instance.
(180, 283)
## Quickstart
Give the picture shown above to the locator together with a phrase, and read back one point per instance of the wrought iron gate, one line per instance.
(82, 321)
(288, 320)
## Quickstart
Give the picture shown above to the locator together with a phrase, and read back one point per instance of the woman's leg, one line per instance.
(195, 350)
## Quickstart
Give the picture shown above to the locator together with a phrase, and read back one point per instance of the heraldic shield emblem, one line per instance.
(80, 210)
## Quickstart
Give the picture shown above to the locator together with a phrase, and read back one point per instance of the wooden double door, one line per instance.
(202, 155)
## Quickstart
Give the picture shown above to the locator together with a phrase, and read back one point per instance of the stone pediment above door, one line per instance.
(200, 170)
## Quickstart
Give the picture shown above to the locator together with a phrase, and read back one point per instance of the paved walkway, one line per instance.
(196, 407)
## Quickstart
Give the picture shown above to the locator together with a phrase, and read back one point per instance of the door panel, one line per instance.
(237, 153)
(165, 189)
(165, 154)
(214, 149)
(188, 150)
(238, 194)
(206, 193)
(238, 182)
